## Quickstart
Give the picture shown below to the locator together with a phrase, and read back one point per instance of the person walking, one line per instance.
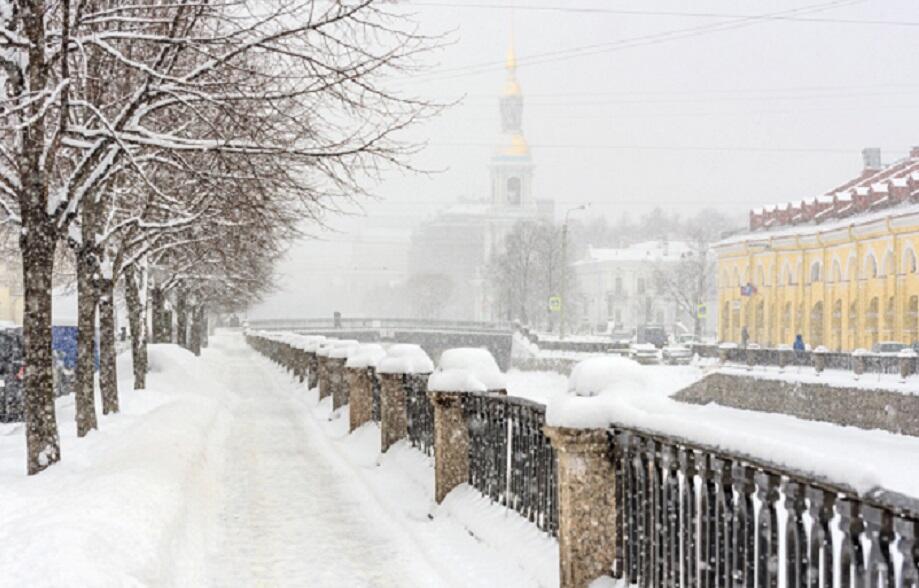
(744, 337)
(799, 349)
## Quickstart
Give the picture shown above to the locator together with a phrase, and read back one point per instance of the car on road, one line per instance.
(888, 347)
(644, 353)
(654, 334)
(676, 354)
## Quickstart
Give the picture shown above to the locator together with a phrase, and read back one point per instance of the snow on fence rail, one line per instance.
(659, 510)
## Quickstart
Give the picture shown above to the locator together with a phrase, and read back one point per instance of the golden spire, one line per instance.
(511, 87)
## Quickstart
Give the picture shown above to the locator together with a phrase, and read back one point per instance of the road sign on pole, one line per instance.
(555, 303)
(701, 311)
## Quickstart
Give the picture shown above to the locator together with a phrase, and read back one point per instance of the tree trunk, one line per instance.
(42, 442)
(197, 325)
(108, 374)
(138, 328)
(159, 314)
(182, 312)
(84, 390)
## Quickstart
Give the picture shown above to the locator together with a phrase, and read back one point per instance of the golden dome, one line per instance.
(516, 147)
(512, 88)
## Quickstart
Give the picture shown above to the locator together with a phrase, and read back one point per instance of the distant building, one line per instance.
(620, 286)
(459, 241)
(839, 269)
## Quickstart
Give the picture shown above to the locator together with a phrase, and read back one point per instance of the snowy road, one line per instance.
(290, 517)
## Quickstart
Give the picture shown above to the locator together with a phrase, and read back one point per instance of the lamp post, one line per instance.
(564, 285)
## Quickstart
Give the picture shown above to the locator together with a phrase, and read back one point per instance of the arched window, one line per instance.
(888, 268)
(837, 271)
(760, 276)
(816, 270)
(909, 261)
(789, 275)
(871, 266)
(513, 191)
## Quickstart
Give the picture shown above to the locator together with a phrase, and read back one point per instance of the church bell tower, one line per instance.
(512, 166)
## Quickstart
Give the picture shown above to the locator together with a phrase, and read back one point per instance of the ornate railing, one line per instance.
(419, 413)
(691, 515)
(510, 459)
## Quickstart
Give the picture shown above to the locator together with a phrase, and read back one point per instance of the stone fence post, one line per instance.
(323, 376)
(393, 420)
(337, 384)
(451, 443)
(312, 370)
(360, 385)
(586, 504)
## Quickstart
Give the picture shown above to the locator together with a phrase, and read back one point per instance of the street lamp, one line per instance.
(564, 286)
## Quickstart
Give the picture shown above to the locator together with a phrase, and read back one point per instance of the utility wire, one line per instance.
(627, 43)
(625, 12)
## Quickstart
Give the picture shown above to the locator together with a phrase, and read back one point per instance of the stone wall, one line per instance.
(856, 407)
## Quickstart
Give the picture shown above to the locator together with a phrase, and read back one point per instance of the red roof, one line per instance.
(874, 189)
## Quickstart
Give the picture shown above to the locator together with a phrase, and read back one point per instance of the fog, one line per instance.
(629, 106)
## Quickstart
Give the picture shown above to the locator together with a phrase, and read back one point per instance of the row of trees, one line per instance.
(175, 147)
(525, 270)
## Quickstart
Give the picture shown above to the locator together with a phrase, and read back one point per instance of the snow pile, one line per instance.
(132, 503)
(470, 539)
(365, 356)
(467, 369)
(405, 358)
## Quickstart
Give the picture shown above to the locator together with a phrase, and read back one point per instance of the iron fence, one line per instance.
(510, 458)
(691, 515)
(419, 413)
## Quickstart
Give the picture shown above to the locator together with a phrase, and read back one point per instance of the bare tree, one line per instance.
(294, 90)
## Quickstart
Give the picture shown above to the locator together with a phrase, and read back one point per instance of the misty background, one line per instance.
(629, 106)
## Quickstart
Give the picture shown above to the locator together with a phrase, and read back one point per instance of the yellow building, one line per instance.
(839, 269)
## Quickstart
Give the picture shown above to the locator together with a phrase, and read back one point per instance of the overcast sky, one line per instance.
(633, 104)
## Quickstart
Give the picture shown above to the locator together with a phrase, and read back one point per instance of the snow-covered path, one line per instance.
(289, 516)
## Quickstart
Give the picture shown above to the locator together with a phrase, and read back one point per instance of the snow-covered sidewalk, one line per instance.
(226, 472)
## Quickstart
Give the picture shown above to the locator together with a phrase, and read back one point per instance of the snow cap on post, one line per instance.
(592, 388)
(467, 369)
(343, 349)
(405, 358)
(325, 347)
(365, 356)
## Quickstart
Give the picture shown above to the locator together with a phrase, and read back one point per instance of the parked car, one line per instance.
(676, 354)
(644, 353)
(888, 347)
(687, 339)
(654, 334)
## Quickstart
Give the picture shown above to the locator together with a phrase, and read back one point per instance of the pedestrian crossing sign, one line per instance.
(555, 303)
